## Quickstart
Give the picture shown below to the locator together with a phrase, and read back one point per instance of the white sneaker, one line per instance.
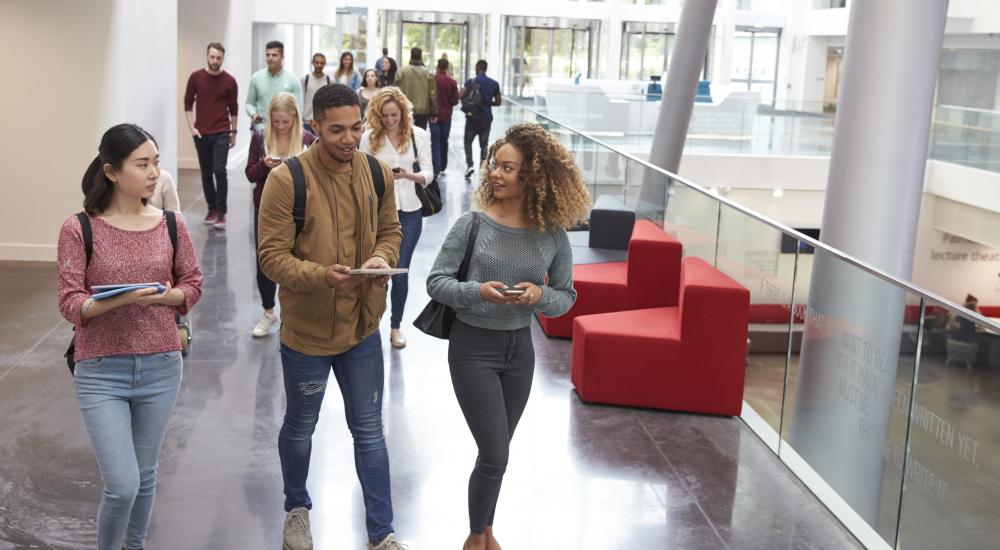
(296, 534)
(388, 543)
(264, 325)
(469, 172)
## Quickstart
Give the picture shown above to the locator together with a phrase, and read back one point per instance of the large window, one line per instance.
(645, 50)
(756, 52)
(547, 48)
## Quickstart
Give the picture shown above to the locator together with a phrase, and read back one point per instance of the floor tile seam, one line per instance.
(683, 484)
(31, 350)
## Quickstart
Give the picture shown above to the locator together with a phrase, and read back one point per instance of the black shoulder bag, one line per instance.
(88, 247)
(429, 195)
(436, 318)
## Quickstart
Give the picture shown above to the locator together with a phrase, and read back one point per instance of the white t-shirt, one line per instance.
(406, 194)
(310, 85)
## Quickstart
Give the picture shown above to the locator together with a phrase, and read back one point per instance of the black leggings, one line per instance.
(265, 286)
(491, 371)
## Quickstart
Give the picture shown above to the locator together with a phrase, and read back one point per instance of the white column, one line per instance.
(871, 211)
(494, 55)
(373, 45)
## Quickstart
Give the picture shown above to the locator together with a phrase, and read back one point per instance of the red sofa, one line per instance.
(687, 358)
(649, 278)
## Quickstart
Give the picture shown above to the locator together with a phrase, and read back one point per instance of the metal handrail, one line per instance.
(843, 256)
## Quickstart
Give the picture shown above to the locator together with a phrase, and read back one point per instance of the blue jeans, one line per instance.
(126, 403)
(359, 374)
(412, 224)
(439, 145)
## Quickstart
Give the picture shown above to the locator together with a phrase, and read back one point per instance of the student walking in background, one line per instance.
(346, 73)
(310, 83)
(269, 81)
(479, 96)
(521, 263)
(447, 98)
(126, 351)
(212, 93)
(393, 139)
(419, 86)
(283, 137)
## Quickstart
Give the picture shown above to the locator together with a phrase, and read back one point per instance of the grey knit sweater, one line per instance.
(509, 255)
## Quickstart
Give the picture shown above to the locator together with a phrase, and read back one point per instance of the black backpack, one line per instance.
(473, 101)
(299, 185)
(88, 246)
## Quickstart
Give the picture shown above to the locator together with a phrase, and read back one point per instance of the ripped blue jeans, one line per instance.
(359, 373)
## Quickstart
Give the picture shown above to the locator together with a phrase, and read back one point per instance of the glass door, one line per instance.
(756, 52)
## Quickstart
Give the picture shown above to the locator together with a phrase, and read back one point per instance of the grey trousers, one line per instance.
(491, 371)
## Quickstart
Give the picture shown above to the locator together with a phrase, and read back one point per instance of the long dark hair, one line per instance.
(340, 68)
(116, 146)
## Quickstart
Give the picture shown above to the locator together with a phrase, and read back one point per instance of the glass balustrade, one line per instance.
(878, 395)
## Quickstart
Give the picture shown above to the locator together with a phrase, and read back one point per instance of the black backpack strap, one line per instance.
(88, 234)
(470, 245)
(378, 178)
(171, 217)
(299, 187)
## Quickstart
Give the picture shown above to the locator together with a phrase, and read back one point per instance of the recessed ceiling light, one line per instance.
(778, 193)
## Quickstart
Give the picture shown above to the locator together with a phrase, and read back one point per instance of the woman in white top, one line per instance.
(392, 137)
(165, 195)
(346, 73)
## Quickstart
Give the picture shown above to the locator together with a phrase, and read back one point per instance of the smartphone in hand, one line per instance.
(396, 170)
(510, 291)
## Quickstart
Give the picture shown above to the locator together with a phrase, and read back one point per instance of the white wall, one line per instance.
(116, 59)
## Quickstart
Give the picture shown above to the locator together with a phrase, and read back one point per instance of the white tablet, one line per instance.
(386, 271)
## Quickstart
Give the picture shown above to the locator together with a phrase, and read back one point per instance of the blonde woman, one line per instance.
(521, 263)
(283, 136)
(393, 139)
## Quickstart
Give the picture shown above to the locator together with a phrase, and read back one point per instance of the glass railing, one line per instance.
(744, 126)
(879, 395)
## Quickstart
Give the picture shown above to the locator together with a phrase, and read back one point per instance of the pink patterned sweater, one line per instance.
(121, 256)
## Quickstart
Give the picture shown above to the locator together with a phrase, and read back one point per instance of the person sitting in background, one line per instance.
(283, 137)
(346, 73)
(963, 329)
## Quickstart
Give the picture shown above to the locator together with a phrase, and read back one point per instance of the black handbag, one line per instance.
(429, 195)
(436, 318)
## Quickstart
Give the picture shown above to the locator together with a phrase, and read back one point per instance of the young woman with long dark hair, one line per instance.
(127, 352)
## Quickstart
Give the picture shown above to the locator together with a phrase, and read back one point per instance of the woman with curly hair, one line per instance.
(392, 138)
(521, 262)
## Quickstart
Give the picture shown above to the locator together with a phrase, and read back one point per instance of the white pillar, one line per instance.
(494, 55)
(373, 43)
(871, 212)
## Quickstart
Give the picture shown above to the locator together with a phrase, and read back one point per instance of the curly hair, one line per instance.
(373, 117)
(553, 185)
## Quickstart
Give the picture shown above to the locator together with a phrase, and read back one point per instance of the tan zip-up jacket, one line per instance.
(315, 318)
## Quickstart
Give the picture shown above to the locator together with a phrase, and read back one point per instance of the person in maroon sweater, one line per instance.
(213, 92)
(283, 136)
(447, 98)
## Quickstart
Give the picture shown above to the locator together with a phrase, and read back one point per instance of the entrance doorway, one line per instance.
(756, 51)
(547, 47)
(458, 35)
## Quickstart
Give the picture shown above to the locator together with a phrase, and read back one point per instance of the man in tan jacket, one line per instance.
(329, 318)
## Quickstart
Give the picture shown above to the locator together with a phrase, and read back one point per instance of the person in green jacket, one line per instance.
(419, 86)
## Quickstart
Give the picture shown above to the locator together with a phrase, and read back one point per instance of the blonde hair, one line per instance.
(554, 192)
(283, 101)
(373, 117)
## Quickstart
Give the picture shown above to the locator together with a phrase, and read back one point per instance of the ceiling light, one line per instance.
(778, 193)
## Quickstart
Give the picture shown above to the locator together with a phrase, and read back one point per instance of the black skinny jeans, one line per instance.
(213, 153)
(476, 127)
(491, 371)
(265, 286)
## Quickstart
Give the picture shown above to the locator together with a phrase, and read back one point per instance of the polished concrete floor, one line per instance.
(580, 476)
